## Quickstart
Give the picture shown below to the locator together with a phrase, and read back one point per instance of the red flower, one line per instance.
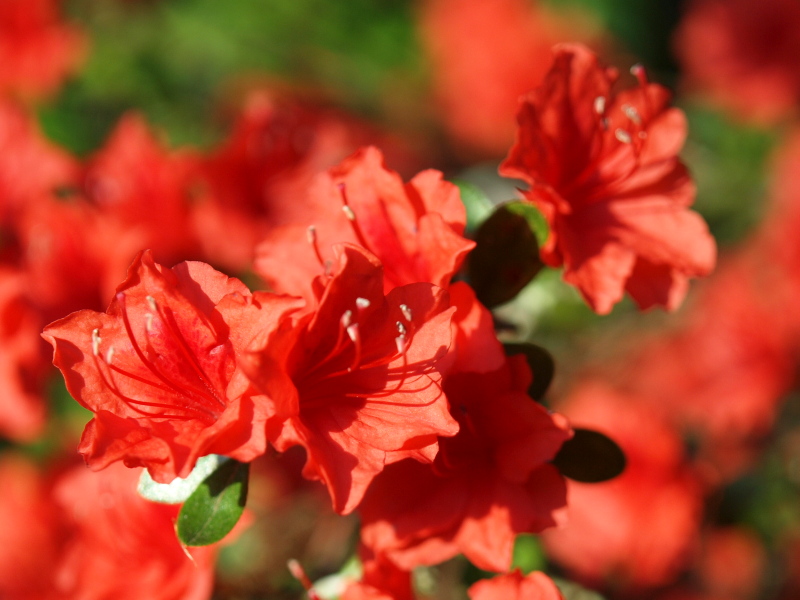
(357, 381)
(516, 586)
(636, 530)
(30, 167)
(415, 229)
(22, 361)
(742, 54)
(30, 532)
(488, 483)
(603, 169)
(381, 580)
(159, 369)
(484, 55)
(37, 50)
(146, 189)
(122, 546)
(256, 179)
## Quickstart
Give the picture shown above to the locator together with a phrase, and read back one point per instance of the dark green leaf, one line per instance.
(534, 217)
(541, 363)
(505, 259)
(590, 457)
(215, 506)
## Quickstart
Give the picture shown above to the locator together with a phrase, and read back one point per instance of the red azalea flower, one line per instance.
(636, 530)
(357, 381)
(488, 483)
(159, 369)
(381, 580)
(603, 169)
(135, 181)
(255, 180)
(122, 546)
(30, 532)
(742, 54)
(416, 229)
(484, 55)
(30, 166)
(22, 362)
(516, 586)
(37, 50)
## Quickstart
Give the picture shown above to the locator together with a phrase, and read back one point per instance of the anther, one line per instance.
(401, 329)
(148, 323)
(110, 355)
(151, 302)
(362, 303)
(600, 105)
(632, 114)
(348, 212)
(96, 342)
(409, 316)
(311, 235)
(347, 319)
(639, 72)
(623, 136)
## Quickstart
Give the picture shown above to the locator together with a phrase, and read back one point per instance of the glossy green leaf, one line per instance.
(179, 490)
(215, 506)
(541, 363)
(505, 259)
(590, 457)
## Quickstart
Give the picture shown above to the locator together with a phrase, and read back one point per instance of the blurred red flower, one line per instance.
(603, 169)
(159, 369)
(415, 229)
(146, 189)
(516, 586)
(121, 546)
(484, 55)
(743, 55)
(636, 530)
(357, 380)
(37, 49)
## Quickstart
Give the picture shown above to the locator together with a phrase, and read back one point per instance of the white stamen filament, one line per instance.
(96, 342)
(409, 316)
(348, 212)
(623, 136)
(151, 302)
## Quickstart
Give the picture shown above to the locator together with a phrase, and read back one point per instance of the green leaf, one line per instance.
(541, 363)
(534, 217)
(476, 203)
(590, 457)
(179, 490)
(505, 258)
(215, 506)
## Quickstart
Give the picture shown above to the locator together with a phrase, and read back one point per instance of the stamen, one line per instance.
(362, 303)
(600, 105)
(96, 342)
(110, 355)
(409, 316)
(152, 303)
(347, 318)
(148, 322)
(311, 235)
(632, 114)
(298, 573)
(355, 337)
(348, 212)
(639, 72)
(623, 136)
